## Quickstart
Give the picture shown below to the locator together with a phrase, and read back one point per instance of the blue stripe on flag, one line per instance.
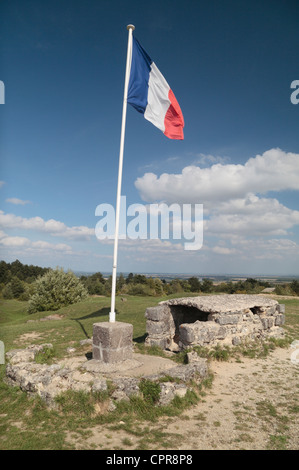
(139, 77)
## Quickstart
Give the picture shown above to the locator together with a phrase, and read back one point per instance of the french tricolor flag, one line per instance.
(151, 95)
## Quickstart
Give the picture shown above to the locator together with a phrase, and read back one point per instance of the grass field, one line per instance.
(26, 423)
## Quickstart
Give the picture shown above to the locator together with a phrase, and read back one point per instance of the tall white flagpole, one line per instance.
(130, 28)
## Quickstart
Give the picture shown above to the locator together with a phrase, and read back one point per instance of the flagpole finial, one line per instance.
(130, 26)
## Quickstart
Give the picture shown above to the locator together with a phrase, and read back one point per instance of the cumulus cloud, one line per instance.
(28, 245)
(14, 241)
(229, 194)
(224, 250)
(246, 249)
(251, 216)
(275, 248)
(274, 170)
(16, 201)
(207, 159)
(51, 226)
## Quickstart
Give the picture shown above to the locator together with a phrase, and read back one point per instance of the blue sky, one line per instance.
(230, 65)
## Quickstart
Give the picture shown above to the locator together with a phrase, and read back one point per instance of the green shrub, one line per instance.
(56, 289)
(7, 292)
(14, 289)
(140, 289)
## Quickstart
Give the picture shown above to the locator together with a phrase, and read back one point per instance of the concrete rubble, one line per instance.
(79, 374)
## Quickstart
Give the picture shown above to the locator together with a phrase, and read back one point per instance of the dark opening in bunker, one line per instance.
(184, 314)
(256, 310)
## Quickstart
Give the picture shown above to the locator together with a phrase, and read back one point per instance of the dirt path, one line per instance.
(252, 404)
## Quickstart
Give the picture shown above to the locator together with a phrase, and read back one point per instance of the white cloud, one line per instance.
(42, 245)
(207, 159)
(228, 193)
(14, 241)
(51, 226)
(275, 248)
(251, 216)
(15, 200)
(37, 246)
(275, 170)
(224, 250)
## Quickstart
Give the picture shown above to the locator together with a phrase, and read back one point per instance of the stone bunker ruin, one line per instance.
(229, 319)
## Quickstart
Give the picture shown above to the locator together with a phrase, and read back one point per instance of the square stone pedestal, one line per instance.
(112, 341)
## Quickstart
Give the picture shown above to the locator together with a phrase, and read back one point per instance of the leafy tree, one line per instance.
(56, 289)
(194, 284)
(17, 269)
(17, 287)
(174, 287)
(207, 285)
(140, 289)
(95, 284)
(21, 271)
(14, 289)
(295, 287)
(120, 282)
(4, 272)
(7, 292)
(158, 286)
(140, 279)
(129, 278)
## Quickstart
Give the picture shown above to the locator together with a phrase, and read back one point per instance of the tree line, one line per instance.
(20, 281)
(17, 279)
(139, 284)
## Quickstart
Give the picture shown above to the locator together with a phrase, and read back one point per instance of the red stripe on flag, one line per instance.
(174, 120)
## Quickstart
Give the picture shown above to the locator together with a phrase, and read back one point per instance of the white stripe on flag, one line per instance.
(157, 100)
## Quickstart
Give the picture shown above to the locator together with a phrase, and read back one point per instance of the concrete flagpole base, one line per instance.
(112, 342)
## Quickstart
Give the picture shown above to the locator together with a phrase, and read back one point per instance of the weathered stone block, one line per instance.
(280, 308)
(162, 342)
(187, 333)
(279, 319)
(201, 332)
(221, 333)
(128, 385)
(156, 327)
(159, 313)
(112, 342)
(111, 355)
(236, 340)
(267, 322)
(189, 371)
(99, 385)
(112, 335)
(270, 310)
(228, 319)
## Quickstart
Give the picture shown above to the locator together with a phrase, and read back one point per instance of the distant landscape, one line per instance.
(19, 281)
(213, 277)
